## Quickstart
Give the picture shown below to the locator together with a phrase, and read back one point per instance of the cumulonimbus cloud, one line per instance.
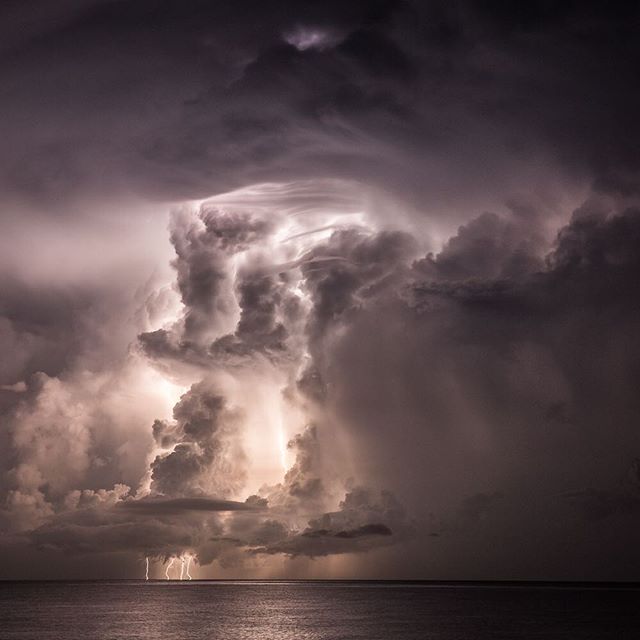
(393, 303)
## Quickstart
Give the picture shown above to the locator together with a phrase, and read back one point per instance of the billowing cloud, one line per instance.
(204, 456)
(393, 319)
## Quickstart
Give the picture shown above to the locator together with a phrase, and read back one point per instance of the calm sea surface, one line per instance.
(313, 611)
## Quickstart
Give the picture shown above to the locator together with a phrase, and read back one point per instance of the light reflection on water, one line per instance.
(311, 611)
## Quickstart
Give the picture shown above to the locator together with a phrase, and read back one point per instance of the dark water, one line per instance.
(313, 611)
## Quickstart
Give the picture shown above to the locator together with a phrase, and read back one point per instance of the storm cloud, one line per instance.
(320, 289)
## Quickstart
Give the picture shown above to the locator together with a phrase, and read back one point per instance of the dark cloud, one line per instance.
(206, 457)
(400, 284)
(98, 535)
(486, 376)
(202, 249)
(47, 327)
(259, 329)
(597, 504)
(619, 500)
(198, 99)
(365, 520)
(466, 356)
(361, 265)
(159, 506)
(323, 542)
(211, 293)
(487, 248)
(303, 487)
(365, 530)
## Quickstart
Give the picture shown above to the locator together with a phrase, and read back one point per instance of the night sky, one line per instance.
(319, 289)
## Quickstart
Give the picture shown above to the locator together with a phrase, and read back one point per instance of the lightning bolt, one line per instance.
(166, 573)
(146, 569)
(189, 558)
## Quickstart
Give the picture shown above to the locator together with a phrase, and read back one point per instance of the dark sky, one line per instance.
(319, 289)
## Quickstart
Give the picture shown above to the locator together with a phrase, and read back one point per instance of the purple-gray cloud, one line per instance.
(402, 329)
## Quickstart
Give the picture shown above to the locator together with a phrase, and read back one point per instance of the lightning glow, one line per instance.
(282, 447)
(181, 567)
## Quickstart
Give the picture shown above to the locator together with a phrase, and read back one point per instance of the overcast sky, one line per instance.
(319, 289)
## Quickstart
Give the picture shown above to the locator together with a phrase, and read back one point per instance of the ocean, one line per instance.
(309, 610)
